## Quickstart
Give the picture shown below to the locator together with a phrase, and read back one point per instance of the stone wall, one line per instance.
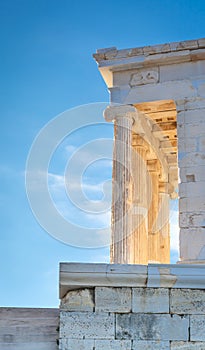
(132, 318)
(28, 328)
(191, 159)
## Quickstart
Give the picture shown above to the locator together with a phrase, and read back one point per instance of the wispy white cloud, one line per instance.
(83, 211)
(58, 182)
(96, 214)
(103, 219)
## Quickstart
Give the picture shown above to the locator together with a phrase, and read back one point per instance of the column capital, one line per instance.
(112, 113)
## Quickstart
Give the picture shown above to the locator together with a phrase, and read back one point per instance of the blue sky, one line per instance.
(47, 68)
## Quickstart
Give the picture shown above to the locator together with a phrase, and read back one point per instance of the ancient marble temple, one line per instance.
(157, 105)
(139, 301)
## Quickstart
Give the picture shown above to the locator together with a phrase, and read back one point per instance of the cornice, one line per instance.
(113, 53)
(111, 59)
(79, 276)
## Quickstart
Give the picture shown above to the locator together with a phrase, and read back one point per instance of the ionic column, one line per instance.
(140, 201)
(122, 183)
(163, 223)
(153, 231)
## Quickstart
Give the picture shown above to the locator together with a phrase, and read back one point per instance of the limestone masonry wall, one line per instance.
(105, 318)
(132, 318)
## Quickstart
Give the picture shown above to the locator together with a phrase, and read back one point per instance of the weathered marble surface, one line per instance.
(29, 328)
(187, 301)
(80, 325)
(78, 300)
(79, 276)
(150, 300)
(113, 299)
(166, 312)
(152, 327)
(156, 76)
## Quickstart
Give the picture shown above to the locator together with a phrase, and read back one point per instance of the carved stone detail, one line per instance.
(144, 77)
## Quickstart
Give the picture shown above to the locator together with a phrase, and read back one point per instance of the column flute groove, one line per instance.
(121, 224)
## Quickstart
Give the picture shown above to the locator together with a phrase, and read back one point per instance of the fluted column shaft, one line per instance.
(122, 183)
(153, 231)
(140, 202)
(164, 225)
